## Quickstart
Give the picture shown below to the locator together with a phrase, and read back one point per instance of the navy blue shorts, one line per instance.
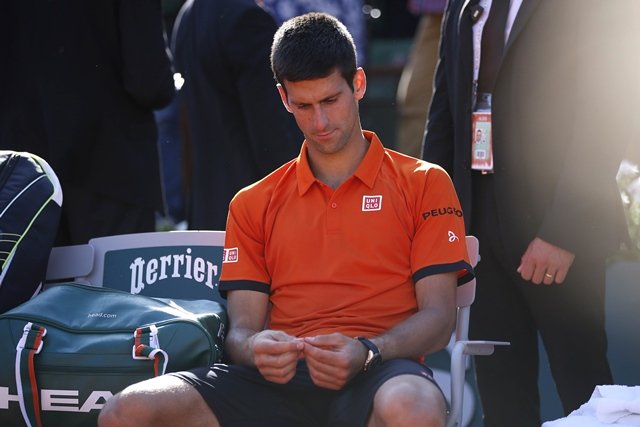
(239, 396)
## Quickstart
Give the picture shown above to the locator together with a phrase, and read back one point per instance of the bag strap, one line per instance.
(28, 393)
(147, 347)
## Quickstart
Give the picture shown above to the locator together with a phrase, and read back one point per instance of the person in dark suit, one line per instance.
(549, 212)
(82, 80)
(238, 131)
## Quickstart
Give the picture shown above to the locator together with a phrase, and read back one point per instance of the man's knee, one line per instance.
(122, 410)
(408, 400)
(157, 402)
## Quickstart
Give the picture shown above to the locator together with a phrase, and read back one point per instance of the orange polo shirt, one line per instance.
(345, 260)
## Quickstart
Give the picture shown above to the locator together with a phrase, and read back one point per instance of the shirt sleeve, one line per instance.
(439, 244)
(243, 263)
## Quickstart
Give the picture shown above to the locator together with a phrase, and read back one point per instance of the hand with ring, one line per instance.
(545, 263)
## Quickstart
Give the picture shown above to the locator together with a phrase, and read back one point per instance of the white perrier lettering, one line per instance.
(148, 272)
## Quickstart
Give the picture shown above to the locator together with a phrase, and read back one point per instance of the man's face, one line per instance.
(326, 110)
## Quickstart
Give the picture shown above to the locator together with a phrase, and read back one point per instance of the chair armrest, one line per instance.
(461, 349)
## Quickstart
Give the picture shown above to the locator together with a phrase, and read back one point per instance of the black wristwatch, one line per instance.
(373, 355)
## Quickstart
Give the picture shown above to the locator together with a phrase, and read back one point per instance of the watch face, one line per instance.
(377, 359)
(373, 354)
(373, 360)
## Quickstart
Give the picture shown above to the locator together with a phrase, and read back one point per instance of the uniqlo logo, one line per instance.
(230, 255)
(371, 203)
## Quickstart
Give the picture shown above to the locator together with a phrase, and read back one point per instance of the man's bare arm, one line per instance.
(429, 329)
(274, 353)
(334, 359)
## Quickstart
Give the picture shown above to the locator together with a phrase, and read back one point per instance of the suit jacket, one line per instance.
(562, 117)
(239, 130)
(82, 79)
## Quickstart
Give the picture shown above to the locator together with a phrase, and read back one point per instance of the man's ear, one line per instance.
(283, 96)
(359, 83)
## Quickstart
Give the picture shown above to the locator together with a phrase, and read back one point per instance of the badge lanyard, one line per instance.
(478, 26)
(481, 123)
(477, 42)
(481, 120)
(481, 132)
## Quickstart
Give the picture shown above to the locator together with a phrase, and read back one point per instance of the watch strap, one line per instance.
(373, 354)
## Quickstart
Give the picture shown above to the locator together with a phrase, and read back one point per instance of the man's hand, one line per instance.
(276, 355)
(333, 359)
(545, 263)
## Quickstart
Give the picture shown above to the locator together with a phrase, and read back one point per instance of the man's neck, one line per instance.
(334, 169)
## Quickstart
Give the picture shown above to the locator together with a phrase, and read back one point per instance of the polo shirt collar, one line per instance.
(366, 172)
(370, 165)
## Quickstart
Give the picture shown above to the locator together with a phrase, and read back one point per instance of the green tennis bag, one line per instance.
(64, 353)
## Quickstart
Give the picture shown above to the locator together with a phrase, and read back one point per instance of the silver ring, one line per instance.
(548, 275)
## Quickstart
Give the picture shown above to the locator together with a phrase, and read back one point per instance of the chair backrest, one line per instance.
(466, 293)
(173, 264)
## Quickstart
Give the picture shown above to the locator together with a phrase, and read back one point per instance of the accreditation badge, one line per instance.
(481, 142)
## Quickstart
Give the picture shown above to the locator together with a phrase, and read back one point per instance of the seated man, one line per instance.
(340, 270)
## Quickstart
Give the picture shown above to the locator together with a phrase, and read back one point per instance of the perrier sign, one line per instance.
(185, 272)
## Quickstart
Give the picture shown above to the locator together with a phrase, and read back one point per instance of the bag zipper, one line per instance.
(111, 370)
(54, 324)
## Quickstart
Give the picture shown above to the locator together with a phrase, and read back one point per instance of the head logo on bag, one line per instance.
(61, 400)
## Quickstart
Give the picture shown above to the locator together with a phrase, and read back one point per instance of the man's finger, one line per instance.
(538, 275)
(549, 277)
(526, 270)
(561, 274)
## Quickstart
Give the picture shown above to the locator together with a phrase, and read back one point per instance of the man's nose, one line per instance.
(320, 120)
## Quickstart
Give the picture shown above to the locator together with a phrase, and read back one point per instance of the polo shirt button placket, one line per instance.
(333, 220)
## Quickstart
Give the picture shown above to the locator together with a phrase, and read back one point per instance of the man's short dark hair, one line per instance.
(312, 46)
